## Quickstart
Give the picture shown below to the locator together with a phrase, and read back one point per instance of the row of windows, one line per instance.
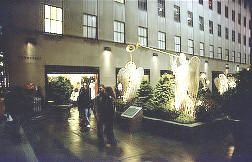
(142, 4)
(53, 15)
(201, 19)
(234, 57)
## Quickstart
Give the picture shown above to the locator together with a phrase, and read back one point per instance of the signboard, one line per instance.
(131, 111)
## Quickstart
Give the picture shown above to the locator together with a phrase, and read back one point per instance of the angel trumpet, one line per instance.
(131, 48)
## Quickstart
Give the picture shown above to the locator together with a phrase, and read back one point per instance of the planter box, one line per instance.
(192, 131)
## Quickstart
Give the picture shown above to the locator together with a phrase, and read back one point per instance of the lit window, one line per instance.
(210, 27)
(89, 26)
(233, 56)
(142, 36)
(238, 58)
(161, 8)
(202, 49)
(161, 40)
(177, 13)
(211, 51)
(201, 23)
(53, 19)
(244, 58)
(118, 31)
(190, 18)
(177, 47)
(219, 53)
(190, 46)
(4, 77)
(142, 5)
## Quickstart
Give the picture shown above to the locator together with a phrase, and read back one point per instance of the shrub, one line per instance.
(60, 90)
(163, 93)
(185, 119)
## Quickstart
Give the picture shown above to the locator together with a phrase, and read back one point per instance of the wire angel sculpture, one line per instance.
(187, 83)
(223, 83)
(131, 78)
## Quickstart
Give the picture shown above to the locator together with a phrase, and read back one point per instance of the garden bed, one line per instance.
(193, 131)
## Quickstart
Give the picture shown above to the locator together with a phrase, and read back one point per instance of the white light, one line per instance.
(206, 67)
(237, 68)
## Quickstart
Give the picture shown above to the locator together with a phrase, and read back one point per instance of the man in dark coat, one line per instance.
(104, 111)
(84, 101)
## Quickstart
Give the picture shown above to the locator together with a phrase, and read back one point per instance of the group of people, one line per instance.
(103, 106)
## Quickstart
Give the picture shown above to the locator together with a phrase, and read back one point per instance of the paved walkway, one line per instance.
(60, 137)
(14, 145)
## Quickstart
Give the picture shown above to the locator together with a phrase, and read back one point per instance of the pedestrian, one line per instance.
(84, 101)
(104, 110)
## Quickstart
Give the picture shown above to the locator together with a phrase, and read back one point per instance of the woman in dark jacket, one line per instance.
(104, 110)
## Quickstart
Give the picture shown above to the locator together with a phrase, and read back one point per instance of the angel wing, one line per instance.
(194, 73)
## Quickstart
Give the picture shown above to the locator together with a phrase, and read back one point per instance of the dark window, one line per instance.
(233, 0)
(239, 38)
(239, 2)
(210, 4)
(177, 13)
(245, 4)
(239, 18)
(201, 2)
(244, 40)
(161, 8)
(226, 54)
(219, 7)
(190, 18)
(201, 23)
(219, 30)
(250, 25)
(244, 21)
(142, 4)
(233, 15)
(164, 72)
(233, 35)
(226, 33)
(210, 27)
(226, 11)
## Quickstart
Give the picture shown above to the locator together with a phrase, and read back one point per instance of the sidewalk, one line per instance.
(14, 146)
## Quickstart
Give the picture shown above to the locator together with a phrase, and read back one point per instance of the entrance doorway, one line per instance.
(77, 75)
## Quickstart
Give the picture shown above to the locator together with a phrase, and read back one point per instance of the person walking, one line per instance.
(104, 110)
(84, 101)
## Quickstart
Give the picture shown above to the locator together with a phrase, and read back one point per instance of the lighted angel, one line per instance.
(186, 82)
(130, 77)
(224, 83)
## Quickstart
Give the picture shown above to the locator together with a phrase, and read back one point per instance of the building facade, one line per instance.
(70, 36)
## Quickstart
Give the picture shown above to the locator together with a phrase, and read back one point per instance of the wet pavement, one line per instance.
(14, 145)
(59, 136)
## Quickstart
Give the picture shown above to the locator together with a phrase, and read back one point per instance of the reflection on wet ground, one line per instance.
(61, 137)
